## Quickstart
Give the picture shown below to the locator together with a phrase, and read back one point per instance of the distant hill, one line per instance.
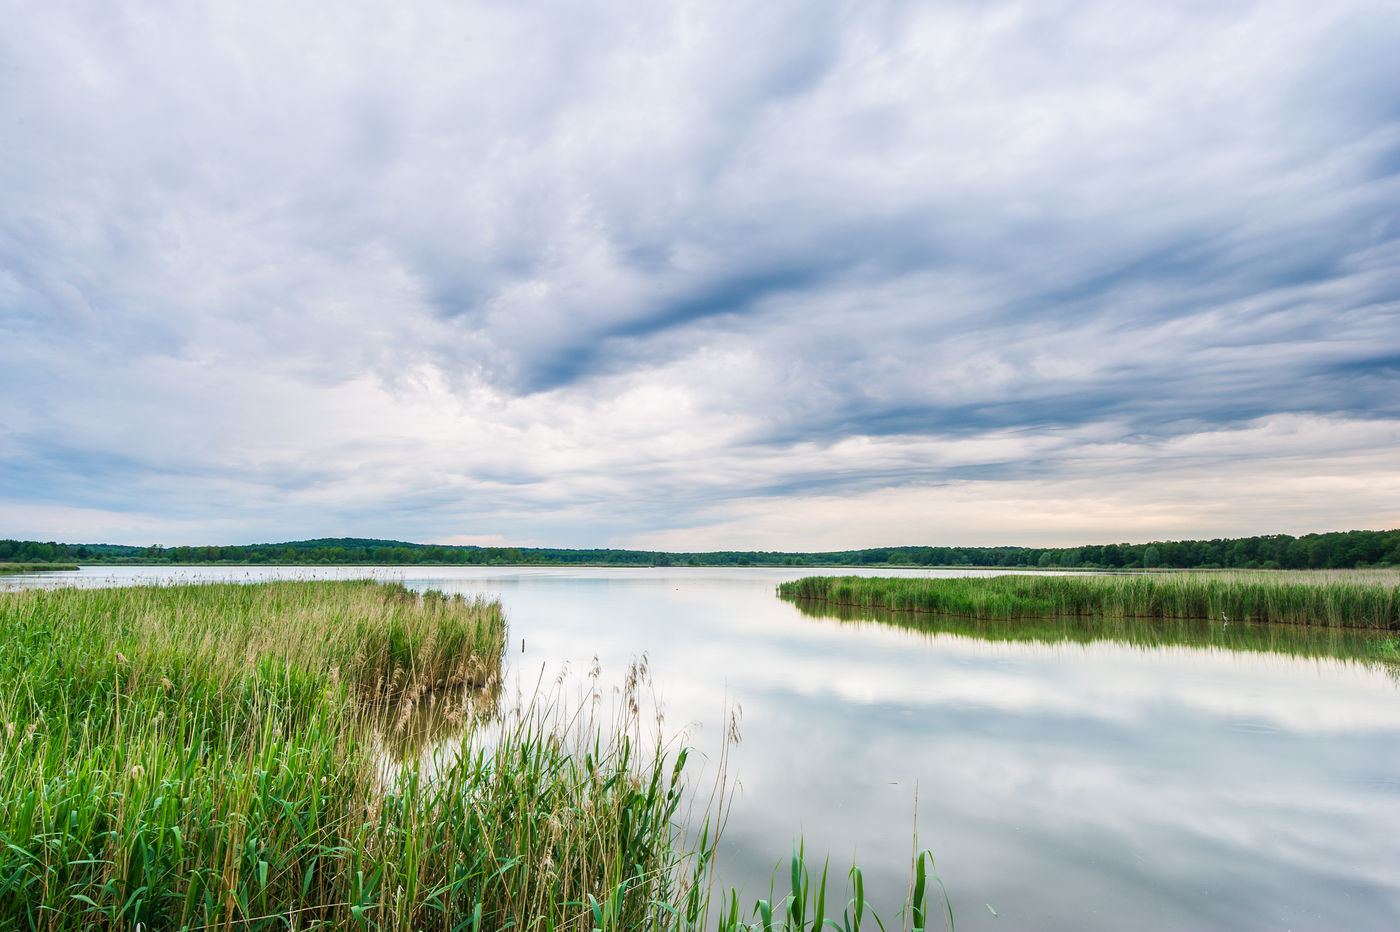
(349, 543)
(1335, 550)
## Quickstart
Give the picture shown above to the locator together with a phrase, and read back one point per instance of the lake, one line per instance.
(1157, 778)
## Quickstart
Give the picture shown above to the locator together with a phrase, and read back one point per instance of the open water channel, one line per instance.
(1095, 777)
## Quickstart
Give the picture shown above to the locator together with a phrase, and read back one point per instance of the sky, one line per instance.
(692, 276)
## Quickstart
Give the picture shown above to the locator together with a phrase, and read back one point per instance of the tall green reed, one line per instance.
(8, 569)
(330, 755)
(1332, 600)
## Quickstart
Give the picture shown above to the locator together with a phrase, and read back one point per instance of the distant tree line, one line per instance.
(1337, 550)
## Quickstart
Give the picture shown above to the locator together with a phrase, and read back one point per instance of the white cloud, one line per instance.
(680, 274)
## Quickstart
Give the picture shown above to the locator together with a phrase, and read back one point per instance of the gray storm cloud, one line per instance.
(675, 274)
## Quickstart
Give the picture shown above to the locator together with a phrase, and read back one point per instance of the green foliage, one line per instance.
(804, 909)
(1353, 600)
(1338, 550)
(205, 756)
(246, 756)
(10, 569)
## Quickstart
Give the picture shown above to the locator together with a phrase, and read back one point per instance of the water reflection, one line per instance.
(417, 728)
(1357, 644)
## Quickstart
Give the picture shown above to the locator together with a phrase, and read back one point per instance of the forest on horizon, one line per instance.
(1333, 550)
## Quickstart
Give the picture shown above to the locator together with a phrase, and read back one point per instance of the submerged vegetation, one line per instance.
(234, 756)
(1334, 599)
(1337, 550)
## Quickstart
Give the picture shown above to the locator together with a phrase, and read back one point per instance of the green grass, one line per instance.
(11, 569)
(1340, 599)
(207, 757)
(326, 755)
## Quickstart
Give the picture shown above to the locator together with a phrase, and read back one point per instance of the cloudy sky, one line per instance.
(698, 275)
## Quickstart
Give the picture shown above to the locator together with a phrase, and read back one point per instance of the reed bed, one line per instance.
(10, 569)
(329, 755)
(201, 757)
(1333, 599)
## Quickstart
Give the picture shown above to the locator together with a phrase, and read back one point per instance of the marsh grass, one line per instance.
(10, 569)
(807, 905)
(331, 755)
(212, 757)
(1340, 599)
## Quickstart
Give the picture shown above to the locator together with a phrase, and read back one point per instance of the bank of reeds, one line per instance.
(201, 757)
(10, 569)
(1336, 599)
(230, 757)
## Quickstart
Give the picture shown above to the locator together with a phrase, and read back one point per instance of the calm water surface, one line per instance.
(1113, 784)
